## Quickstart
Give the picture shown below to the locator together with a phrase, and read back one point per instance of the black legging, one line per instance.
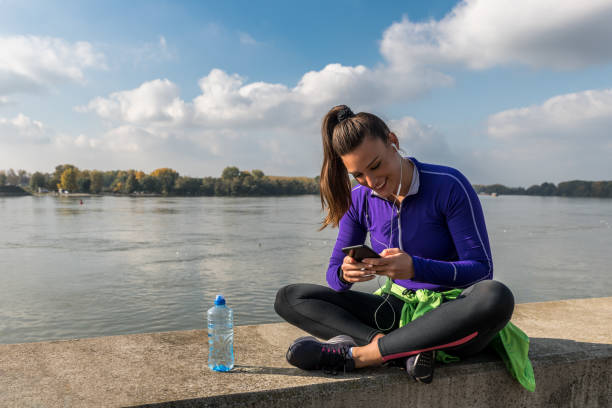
(461, 327)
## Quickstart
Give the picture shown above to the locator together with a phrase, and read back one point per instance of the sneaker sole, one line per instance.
(427, 376)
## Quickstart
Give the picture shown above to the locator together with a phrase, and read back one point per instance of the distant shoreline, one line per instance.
(155, 195)
(244, 184)
(573, 188)
(233, 182)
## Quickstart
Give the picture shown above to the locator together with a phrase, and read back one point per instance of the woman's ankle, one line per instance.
(368, 355)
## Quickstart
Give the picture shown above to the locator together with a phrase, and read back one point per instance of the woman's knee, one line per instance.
(282, 303)
(497, 299)
(287, 296)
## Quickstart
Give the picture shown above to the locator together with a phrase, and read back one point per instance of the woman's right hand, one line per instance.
(354, 271)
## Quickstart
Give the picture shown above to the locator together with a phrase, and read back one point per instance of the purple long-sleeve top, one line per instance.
(440, 224)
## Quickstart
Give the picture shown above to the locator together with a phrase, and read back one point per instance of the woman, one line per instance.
(427, 224)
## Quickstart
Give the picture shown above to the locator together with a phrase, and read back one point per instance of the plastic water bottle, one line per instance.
(220, 336)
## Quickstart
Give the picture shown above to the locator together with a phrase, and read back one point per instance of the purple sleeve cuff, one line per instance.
(334, 281)
(417, 267)
(451, 274)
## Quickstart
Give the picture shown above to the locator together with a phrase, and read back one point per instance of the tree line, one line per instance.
(235, 182)
(165, 181)
(574, 188)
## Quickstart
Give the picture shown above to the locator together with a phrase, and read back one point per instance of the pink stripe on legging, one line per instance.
(410, 353)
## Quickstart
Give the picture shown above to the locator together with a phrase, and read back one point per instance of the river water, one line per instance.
(119, 265)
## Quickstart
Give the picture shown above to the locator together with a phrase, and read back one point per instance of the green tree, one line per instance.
(118, 184)
(222, 187)
(24, 177)
(108, 177)
(230, 173)
(97, 182)
(84, 181)
(2, 178)
(12, 178)
(68, 180)
(131, 184)
(601, 189)
(151, 184)
(208, 186)
(53, 183)
(167, 177)
(574, 188)
(37, 180)
(188, 186)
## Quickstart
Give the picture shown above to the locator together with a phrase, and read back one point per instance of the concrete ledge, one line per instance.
(571, 350)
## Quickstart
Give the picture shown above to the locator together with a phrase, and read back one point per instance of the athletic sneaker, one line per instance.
(331, 356)
(421, 366)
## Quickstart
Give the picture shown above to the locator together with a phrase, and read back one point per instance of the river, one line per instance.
(119, 265)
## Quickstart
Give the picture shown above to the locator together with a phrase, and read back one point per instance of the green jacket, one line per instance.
(511, 343)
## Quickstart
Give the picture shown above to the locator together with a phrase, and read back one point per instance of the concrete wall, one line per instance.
(571, 351)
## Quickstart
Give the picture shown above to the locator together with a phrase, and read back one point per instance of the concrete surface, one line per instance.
(571, 351)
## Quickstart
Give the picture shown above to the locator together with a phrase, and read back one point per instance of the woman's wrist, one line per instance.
(341, 276)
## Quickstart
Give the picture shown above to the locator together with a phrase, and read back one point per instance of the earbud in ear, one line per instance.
(395, 147)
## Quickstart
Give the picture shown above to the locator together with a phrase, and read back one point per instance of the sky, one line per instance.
(517, 93)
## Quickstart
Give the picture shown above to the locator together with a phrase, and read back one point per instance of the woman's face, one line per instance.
(375, 164)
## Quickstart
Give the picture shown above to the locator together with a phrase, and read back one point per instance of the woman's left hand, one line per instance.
(394, 263)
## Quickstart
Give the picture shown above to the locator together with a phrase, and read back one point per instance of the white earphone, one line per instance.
(401, 169)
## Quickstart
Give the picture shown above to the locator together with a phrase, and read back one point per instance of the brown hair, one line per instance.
(342, 132)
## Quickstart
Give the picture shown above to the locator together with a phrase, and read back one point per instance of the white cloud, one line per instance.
(251, 122)
(154, 101)
(566, 137)
(22, 129)
(29, 63)
(422, 141)
(560, 34)
(227, 101)
(563, 116)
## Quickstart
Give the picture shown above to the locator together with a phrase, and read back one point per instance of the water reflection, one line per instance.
(164, 210)
(67, 211)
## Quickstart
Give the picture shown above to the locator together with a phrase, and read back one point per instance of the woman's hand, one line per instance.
(354, 271)
(394, 263)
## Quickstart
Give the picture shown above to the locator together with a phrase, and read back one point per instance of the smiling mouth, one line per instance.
(381, 186)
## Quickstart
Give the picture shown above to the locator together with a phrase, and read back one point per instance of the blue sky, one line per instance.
(518, 94)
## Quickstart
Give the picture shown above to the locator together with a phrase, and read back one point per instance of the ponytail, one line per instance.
(335, 184)
(342, 131)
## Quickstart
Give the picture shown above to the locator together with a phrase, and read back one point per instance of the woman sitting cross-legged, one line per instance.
(426, 222)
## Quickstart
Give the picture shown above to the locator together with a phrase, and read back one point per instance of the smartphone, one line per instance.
(360, 252)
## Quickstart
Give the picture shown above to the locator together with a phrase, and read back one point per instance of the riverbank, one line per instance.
(83, 195)
(571, 352)
(12, 191)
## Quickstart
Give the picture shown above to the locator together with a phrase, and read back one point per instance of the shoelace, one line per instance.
(332, 357)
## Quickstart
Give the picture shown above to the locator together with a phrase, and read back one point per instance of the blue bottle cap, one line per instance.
(219, 300)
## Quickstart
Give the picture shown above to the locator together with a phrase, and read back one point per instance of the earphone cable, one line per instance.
(386, 299)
